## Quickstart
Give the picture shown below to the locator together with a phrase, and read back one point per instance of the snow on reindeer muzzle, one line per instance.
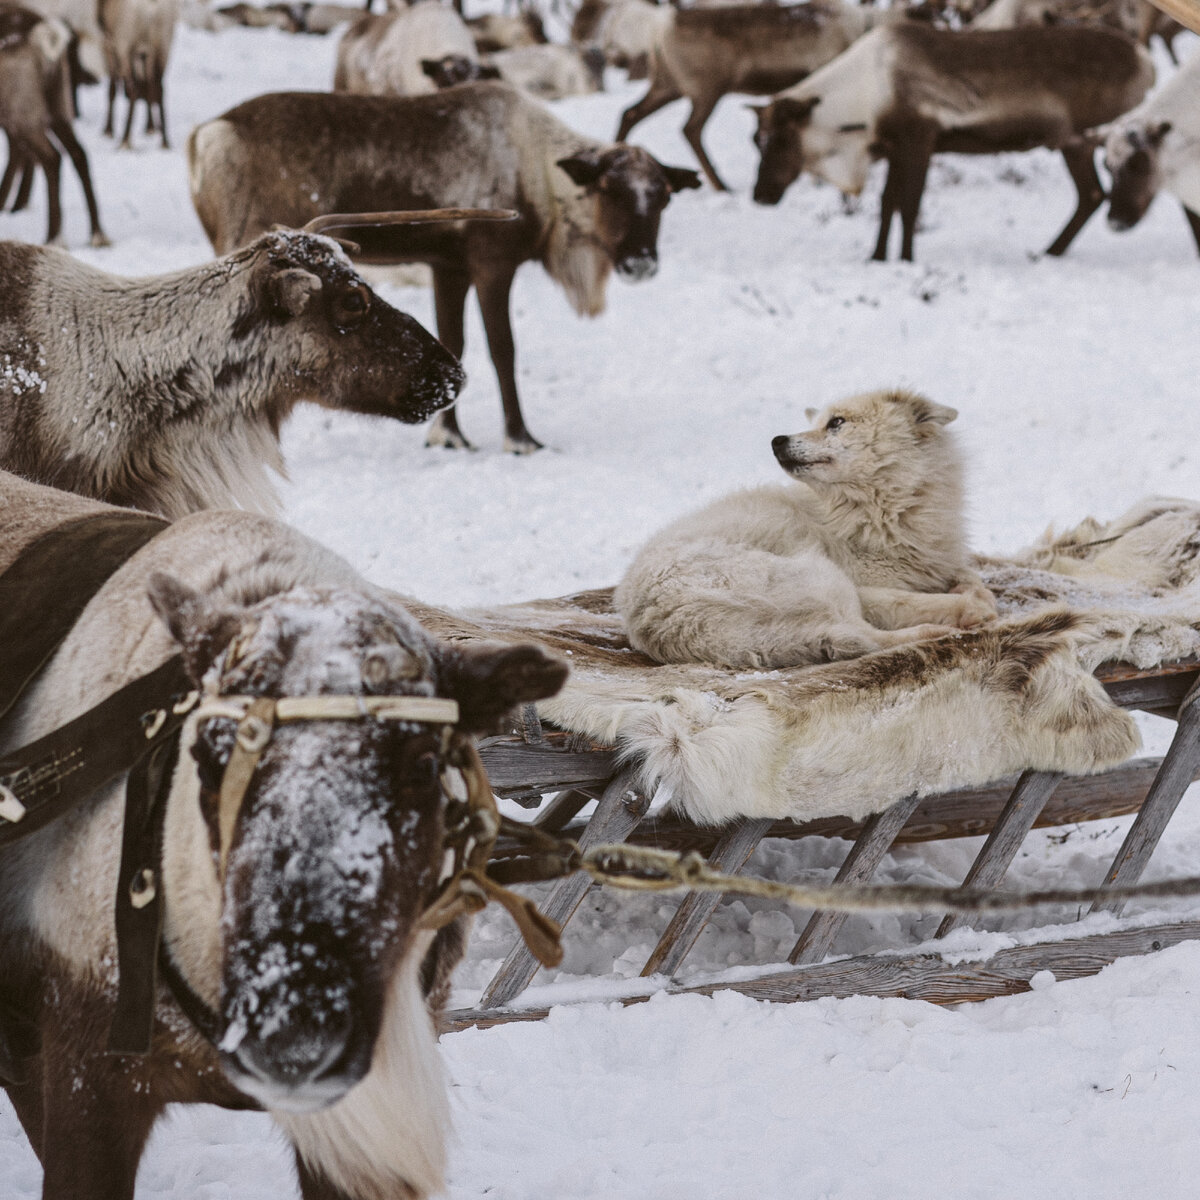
(329, 837)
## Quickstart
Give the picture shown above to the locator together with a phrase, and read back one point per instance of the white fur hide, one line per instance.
(852, 738)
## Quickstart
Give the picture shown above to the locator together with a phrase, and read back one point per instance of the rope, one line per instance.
(644, 869)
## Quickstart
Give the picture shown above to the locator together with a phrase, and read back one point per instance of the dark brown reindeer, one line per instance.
(906, 91)
(585, 207)
(296, 962)
(705, 53)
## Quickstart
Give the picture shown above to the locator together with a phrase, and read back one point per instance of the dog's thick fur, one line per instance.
(866, 553)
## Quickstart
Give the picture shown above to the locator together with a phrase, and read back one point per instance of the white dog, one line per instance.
(865, 552)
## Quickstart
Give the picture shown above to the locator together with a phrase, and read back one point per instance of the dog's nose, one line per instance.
(779, 444)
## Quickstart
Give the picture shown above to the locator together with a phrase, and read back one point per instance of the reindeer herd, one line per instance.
(166, 394)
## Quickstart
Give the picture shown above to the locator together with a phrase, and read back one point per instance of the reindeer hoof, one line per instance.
(525, 444)
(448, 439)
(100, 239)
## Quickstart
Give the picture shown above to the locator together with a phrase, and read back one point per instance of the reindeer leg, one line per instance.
(70, 143)
(25, 187)
(701, 111)
(51, 163)
(10, 174)
(158, 100)
(317, 1187)
(450, 288)
(95, 1128)
(126, 142)
(912, 187)
(112, 105)
(1080, 158)
(661, 93)
(888, 205)
(1193, 219)
(493, 290)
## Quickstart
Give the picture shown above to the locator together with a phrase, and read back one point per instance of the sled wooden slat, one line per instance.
(558, 760)
(876, 839)
(617, 814)
(1028, 799)
(730, 855)
(563, 809)
(913, 977)
(1177, 772)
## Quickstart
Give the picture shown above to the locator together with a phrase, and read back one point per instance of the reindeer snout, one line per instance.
(300, 1064)
(636, 267)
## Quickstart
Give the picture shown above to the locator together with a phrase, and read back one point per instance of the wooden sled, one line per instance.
(534, 762)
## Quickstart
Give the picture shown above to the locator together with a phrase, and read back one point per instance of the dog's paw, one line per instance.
(974, 606)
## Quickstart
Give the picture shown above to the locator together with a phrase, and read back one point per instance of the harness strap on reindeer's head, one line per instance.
(472, 825)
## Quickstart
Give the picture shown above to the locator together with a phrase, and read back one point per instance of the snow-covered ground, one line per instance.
(1076, 384)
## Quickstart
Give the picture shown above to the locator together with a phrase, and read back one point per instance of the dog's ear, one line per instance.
(927, 412)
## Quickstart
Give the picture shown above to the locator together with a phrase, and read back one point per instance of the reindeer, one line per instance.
(906, 91)
(35, 112)
(584, 207)
(382, 55)
(299, 962)
(703, 53)
(1154, 148)
(138, 35)
(168, 392)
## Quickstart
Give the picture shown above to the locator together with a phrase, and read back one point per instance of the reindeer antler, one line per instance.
(407, 217)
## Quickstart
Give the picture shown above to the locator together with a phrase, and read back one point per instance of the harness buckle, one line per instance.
(11, 809)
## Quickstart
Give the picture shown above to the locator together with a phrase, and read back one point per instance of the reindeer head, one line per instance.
(330, 338)
(791, 141)
(632, 188)
(335, 846)
(1132, 158)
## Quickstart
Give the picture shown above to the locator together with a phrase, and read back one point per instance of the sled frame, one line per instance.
(534, 761)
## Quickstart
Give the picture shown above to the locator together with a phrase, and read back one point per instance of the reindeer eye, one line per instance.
(211, 750)
(350, 306)
(835, 423)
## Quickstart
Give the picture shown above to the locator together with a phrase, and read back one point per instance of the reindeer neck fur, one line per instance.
(571, 252)
(190, 438)
(885, 532)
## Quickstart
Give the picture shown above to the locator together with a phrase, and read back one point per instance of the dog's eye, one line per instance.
(835, 423)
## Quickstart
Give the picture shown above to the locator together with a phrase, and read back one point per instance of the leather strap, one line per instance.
(50, 583)
(44, 779)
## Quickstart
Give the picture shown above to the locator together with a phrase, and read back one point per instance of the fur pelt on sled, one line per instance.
(851, 738)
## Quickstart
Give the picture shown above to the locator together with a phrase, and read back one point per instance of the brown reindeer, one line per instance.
(704, 53)
(36, 112)
(585, 207)
(296, 963)
(906, 91)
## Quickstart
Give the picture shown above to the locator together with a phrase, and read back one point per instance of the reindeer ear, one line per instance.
(681, 177)
(792, 108)
(201, 629)
(1156, 133)
(583, 168)
(489, 680)
(292, 288)
(811, 413)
